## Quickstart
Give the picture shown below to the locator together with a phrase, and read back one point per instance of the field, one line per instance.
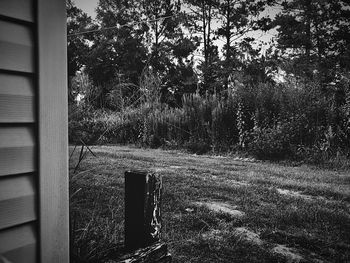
(215, 208)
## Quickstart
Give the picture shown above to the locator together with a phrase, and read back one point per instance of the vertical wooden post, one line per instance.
(53, 135)
(142, 209)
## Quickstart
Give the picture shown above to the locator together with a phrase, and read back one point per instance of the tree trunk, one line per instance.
(228, 45)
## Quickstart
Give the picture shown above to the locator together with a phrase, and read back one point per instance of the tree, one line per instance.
(117, 55)
(163, 25)
(77, 45)
(314, 35)
(239, 17)
(202, 15)
(170, 50)
(180, 77)
(314, 44)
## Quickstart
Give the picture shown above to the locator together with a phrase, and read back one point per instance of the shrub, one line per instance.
(100, 126)
(197, 146)
(269, 143)
(84, 124)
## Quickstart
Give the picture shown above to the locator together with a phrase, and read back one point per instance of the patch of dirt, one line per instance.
(175, 167)
(237, 183)
(189, 210)
(172, 168)
(299, 194)
(291, 255)
(214, 235)
(244, 159)
(218, 157)
(248, 236)
(221, 207)
(292, 193)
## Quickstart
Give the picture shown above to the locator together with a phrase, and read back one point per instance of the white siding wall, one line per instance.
(18, 154)
(33, 132)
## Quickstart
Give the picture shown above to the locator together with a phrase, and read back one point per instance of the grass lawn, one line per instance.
(215, 208)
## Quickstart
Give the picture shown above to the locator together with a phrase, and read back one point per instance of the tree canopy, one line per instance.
(206, 45)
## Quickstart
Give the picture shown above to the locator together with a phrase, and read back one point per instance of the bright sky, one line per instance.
(88, 6)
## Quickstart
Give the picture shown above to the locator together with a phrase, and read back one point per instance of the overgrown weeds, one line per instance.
(268, 122)
(96, 219)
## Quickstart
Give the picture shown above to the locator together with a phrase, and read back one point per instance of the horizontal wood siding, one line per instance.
(19, 244)
(18, 9)
(17, 103)
(16, 47)
(17, 150)
(18, 136)
(17, 200)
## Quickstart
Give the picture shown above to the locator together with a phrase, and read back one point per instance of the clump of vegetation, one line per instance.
(271, 127)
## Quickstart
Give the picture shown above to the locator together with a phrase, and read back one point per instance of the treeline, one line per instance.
(155, 73)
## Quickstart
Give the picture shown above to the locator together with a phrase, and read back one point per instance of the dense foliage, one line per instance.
(156, 75)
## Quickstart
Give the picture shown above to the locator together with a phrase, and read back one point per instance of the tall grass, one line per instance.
(268, 121)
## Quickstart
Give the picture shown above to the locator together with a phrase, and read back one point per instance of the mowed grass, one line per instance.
(290, 214)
